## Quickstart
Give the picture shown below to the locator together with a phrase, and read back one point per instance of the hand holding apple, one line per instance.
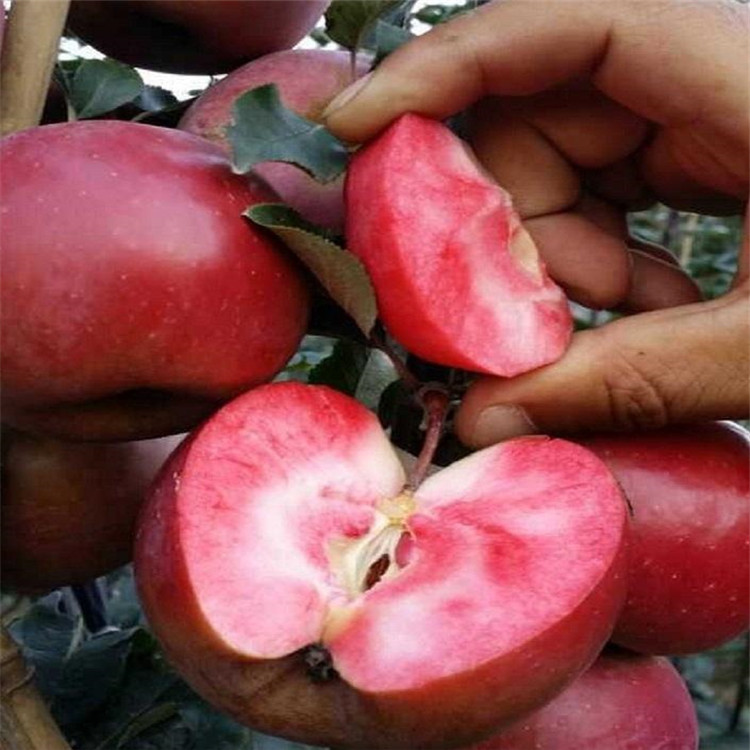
(579, 131)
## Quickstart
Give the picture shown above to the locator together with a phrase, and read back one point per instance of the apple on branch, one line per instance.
(689, 488)
(69, 509)
(135, 296)
(302, 585)
(622, 701)
(192, 36)
(307, 80)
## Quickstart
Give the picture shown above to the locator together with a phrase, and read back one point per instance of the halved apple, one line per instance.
(458, 280)
(298, 583)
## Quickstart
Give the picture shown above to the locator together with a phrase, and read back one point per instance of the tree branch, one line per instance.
(29, 53)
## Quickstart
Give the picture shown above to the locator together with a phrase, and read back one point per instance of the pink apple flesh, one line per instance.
(307, 80)
(689, 567)
(136, 298)
(458, 280)
(622, 701)
(285, 524)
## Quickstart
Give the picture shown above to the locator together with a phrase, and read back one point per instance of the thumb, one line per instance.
(677, 365)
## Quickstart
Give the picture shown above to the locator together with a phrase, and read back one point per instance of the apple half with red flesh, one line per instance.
(307, 80)
(689, 488)
(296, 582)
(135, 297)
(458, 280)
(623, 701)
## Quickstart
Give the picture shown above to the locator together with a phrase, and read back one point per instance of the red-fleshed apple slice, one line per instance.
(300, 587)
(457, 278)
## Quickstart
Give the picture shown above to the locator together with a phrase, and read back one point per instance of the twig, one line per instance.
(25, 722)
(688, 240)
(435, 401)
(29, 53)
(410, 381)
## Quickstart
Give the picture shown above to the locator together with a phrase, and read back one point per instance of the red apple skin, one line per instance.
(69, 509)
(689, 579)
(277, 695)
(135, 296)
(622, 701)
(192, 36)
(307, 81)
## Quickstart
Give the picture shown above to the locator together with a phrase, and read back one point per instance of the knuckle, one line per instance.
(633, 384)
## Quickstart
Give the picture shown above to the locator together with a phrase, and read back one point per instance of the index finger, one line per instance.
(517, 47)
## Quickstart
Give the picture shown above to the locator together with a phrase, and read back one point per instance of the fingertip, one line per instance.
(482, 421)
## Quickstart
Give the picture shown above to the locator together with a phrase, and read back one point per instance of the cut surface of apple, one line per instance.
(457, 278)
(298, 584)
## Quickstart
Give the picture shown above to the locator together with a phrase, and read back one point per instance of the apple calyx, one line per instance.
(362, 563)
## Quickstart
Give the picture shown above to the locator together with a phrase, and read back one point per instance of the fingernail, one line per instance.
(499, 423)
(346, 96)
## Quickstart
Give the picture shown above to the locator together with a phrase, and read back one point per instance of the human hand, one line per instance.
(584, 110)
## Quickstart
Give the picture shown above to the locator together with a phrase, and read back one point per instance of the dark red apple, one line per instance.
(135, 297)
(690, 494)
(192, 36)
(69, 509)
(300, 586)
(307, 81)
(623, 701)
(458, 280)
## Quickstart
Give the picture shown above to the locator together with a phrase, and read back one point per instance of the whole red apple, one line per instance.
(307, 81)
(622, 701)
(299, 585)
(458, 280)
(192, 36)
(69, 509)
(135, 297)
(689, 579)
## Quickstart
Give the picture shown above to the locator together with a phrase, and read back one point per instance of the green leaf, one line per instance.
(388, 38)
(264, 130)
(342, 274)
(99, 86)
(155, 99)
(348, 22)
(343, 369)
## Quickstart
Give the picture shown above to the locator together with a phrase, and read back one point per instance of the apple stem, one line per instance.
(91, 605)
(435, 402)
(411, 382)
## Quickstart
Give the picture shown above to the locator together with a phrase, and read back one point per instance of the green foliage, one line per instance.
(348, 22)
(340, 273)
(343, 369)
(265, 130)
(99, 86)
